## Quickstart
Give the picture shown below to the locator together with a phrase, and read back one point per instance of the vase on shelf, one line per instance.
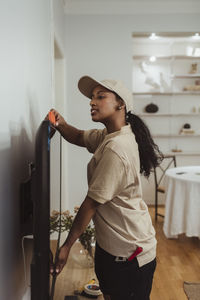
(82, 257)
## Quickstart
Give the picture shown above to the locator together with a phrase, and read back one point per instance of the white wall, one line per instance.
(60, 80)
(25, 96)
(101, 46)
(58, 22)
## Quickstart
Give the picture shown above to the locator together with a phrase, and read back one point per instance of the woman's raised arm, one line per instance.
(70, 133)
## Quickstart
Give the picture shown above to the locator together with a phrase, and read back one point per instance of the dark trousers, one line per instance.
(123, 280)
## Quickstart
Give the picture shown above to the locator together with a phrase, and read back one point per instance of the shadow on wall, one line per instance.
(13, 170)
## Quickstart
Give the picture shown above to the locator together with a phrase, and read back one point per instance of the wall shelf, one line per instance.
(175, 135)
(169, 115)
(165, 94)
(183, 153)
(169, 57)
(188, 76)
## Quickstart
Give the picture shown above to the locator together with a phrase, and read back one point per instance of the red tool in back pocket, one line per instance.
(137, 251)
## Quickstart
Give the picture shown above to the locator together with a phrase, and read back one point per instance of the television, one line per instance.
(45, 184)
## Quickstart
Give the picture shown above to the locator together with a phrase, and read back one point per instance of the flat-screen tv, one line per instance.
(47, 173)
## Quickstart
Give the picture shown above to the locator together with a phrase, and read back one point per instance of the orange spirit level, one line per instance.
(52, 118)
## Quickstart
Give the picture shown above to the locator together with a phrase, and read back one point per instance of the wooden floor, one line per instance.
(178, 260)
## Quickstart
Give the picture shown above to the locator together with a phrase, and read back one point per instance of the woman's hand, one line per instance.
(60, 121)
(62, 259)
(68, 132)
(51, 261)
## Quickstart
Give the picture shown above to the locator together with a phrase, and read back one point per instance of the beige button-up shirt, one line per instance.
(122, 222)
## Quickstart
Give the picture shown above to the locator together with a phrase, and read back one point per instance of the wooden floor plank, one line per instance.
(178, 260)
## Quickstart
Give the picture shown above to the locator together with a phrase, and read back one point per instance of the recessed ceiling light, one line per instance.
(153, 36)
(196, 36)
(152, 58)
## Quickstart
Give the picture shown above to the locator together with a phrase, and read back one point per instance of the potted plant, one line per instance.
(87, 238)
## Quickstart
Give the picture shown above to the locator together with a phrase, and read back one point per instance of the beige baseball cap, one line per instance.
(87, 84)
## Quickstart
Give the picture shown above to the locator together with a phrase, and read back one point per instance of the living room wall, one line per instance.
(100, 45)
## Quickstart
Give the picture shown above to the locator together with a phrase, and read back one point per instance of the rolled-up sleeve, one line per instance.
(108, 178)
(92, 139)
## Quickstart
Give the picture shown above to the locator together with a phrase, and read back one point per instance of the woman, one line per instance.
(125, 255)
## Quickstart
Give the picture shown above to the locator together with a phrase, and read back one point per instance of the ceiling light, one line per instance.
(152, 58)
(196, 36)
(153, 37)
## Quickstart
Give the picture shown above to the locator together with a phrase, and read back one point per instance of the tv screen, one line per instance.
(46, 196)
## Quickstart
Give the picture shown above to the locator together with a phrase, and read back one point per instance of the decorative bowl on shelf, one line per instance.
(151, 108)
(186, 129)
(193, 68)
(186, 126)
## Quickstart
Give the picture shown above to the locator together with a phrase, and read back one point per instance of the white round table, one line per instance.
(182, 207)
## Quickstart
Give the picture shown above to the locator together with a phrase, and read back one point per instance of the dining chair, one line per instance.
(159, 176)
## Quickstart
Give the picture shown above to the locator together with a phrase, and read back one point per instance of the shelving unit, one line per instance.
(163, 75)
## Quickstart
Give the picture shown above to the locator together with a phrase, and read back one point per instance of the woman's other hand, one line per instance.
(62, 259)
(51, 262)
